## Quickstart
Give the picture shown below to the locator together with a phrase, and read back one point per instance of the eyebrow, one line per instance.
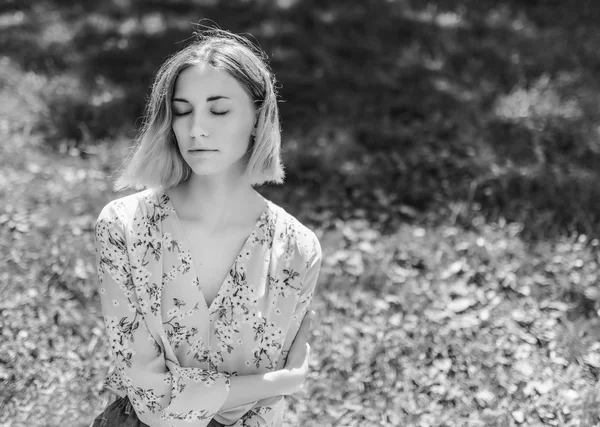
(209, 99)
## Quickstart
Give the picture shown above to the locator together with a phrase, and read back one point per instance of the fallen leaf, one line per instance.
(524, 367)
(453, 269)
(395, 319)
(443, 365)
(519, 416)
(366, 247)
(484, 398)
(570, 395)
(592, 359)
(460, 304)
(545, 387)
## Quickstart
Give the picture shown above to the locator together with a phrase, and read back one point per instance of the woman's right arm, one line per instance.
(251, 388)
(162, 392)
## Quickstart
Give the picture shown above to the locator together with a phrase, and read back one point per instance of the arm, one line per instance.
(161, 391)
(264, 411)
(250, 388)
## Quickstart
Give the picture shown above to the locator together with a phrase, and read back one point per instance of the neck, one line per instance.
(214, 201)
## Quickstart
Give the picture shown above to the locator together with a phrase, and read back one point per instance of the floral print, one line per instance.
(173, 353)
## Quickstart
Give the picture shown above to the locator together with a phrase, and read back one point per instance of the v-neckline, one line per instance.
(187, 247)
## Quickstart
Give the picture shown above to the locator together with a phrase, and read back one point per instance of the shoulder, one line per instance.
(296, 235)
(124, 210)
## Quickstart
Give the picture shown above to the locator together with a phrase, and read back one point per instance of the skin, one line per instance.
(212, 111)
(202, 120)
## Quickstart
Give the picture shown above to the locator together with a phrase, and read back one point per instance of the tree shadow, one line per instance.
(396, 108)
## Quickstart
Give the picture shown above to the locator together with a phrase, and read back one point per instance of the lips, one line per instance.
(201, 153)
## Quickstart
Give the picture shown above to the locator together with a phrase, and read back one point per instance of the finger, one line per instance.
(306, 355)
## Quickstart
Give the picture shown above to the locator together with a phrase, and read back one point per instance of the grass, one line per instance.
(451, 181)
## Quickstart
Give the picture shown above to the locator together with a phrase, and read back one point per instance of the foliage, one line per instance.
(446, 154)
(491, 105)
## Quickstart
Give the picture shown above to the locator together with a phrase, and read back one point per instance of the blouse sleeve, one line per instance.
(162, 393)
(264, 413)
(309, 284)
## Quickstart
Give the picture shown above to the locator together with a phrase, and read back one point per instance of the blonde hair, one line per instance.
(156, 160)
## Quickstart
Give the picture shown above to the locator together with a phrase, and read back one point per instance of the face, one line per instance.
(213, 119)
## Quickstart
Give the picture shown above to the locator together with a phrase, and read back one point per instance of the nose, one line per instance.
(198, 128)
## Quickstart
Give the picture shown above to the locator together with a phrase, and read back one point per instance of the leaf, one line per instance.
(545, 387)
(453, 269)
(519, 416)
(443, 365)
(592, 359)
(555, 305)
(366, 247)
(354, 264)
(4, 374)
(484, 398)
(460, 304)
(570, 395)
(395, 319)
(524, 367)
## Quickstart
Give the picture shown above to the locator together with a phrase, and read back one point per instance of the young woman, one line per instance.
(205, 284)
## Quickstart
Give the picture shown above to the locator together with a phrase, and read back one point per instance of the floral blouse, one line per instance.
(172, 354)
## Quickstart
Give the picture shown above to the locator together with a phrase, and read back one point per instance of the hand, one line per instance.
(298, 356)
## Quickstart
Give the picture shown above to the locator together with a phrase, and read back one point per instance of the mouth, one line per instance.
(201, 151)
(201, 154)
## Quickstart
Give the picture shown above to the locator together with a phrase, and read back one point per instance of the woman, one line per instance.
(204, 283)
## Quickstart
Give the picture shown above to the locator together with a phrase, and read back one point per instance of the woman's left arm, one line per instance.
(264, 413)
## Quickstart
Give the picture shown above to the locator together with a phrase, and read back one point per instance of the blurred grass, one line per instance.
(446, 153)
(490, 105)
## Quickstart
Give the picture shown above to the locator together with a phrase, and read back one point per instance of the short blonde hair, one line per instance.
(156, 160)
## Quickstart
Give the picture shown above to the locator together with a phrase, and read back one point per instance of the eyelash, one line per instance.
(188, 112)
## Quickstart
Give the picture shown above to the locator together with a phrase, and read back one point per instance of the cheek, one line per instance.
(234, 131)
(242, 132)
(178, 129)
(243, 127)
(176, 125)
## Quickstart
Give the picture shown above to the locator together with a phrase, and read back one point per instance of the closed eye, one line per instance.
(185, 113)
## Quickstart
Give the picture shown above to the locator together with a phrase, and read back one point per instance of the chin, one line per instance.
(215, 171)
(208, 168)
(206, 171)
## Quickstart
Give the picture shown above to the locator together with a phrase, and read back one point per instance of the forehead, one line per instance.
(200, 80)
